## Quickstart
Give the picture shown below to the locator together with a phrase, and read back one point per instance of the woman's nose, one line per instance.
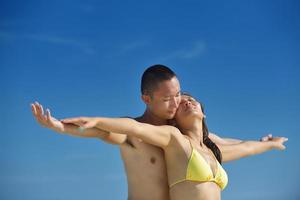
(187, 103)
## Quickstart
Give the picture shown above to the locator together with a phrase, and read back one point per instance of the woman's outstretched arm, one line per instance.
(155, 135)
(249, 148)
(230, 141)
(223, 141)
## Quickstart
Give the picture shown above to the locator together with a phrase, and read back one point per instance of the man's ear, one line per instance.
(146, 99)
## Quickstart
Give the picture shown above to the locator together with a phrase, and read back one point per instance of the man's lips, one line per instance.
(172, 111)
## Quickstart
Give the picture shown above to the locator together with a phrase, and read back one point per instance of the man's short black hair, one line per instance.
(153, 76)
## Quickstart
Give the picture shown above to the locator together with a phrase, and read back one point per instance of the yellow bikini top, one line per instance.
(199, 170)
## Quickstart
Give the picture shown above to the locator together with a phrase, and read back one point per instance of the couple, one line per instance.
(164, 162)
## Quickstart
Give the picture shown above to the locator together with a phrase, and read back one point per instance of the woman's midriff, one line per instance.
(189, 190)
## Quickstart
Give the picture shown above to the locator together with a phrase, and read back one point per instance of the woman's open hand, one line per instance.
(83, 122)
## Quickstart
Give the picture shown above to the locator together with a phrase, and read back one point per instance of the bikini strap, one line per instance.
(189, 139)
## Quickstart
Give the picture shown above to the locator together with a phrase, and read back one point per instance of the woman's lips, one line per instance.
(189, 106)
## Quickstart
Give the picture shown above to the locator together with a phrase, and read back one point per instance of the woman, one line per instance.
(193, 160)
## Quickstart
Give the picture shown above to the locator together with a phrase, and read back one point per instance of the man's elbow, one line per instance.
(114, 138)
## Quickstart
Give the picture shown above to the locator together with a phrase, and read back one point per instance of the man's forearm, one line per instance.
(106, 136)
(74, 130)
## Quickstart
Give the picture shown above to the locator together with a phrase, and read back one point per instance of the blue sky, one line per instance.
(241, 58)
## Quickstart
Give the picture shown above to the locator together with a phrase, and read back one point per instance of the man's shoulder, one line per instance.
(138, 119)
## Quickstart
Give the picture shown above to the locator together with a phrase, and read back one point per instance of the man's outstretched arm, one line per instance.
(46, 120)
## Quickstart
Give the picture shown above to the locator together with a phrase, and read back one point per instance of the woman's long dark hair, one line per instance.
(207, 141)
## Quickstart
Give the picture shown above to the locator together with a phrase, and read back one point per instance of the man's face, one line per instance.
(165, 99)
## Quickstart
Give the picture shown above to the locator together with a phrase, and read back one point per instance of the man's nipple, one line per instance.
(152, 160)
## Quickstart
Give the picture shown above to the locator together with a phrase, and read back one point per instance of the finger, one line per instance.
(263, 139)
(49, 119)
(48, 114)
(39, 112)
(89, 124)
(43, 115)
(64, 121)
(79, 120)
(42, 110)
(36, 114)
(33, 109)
(77, 123)
(69, 120)
(38, 106)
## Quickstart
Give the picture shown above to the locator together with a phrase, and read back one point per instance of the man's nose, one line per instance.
(174, 102)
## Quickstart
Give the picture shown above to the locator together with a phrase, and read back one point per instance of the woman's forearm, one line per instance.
(244, 149)
(155, 135)
(125, 126)
(256, 147)
(223, 141)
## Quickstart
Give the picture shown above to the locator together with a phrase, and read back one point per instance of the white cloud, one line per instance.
(49, 39)
(195, 51)
(134, 45)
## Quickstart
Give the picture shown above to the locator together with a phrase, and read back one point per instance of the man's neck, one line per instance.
(150, 118)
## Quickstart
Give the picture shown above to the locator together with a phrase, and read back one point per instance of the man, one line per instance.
(144, 163)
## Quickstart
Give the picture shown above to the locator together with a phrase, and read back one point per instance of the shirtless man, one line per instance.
(144, 163)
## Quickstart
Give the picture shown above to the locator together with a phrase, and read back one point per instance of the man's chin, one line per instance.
(170, 116)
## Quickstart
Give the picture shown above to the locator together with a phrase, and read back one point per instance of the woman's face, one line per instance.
(188, 110)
